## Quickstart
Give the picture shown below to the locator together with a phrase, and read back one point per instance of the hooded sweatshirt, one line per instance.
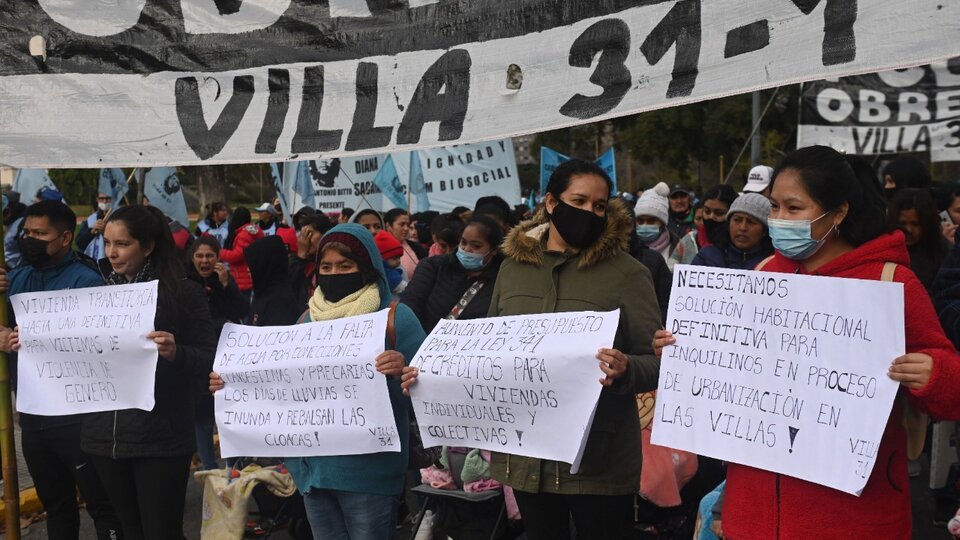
(273, 303)
(761, 504)
(381, 473)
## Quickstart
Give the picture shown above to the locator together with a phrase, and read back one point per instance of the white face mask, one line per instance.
(104, 206)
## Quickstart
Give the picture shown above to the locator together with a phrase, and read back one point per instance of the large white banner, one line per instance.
(305, 390)
(453, 176)
(891, 112)
(781, 372)
(86, 350)
(192, 82)
(525, 385)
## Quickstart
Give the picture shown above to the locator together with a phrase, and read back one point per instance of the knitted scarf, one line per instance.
(366, 300)
(661, 241)
(145, 274)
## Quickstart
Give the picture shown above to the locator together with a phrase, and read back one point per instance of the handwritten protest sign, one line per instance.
(526, 385)
(781, 372)
(86, 350)
(305, 390)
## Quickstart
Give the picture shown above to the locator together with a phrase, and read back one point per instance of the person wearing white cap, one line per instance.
(758, 180)
(268, 219)
(652, 215)
(747, 241)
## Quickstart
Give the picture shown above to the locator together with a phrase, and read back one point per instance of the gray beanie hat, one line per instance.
(653, 202)
(752, 204)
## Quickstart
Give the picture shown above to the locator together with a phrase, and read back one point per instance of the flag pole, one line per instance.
(8, 448)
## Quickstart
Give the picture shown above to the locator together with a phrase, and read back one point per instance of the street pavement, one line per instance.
(922, 502)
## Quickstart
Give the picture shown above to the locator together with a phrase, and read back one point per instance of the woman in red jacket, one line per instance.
(242, 234)
(826, 221)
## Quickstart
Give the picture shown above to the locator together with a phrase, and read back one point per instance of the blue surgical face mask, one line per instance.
(794, 237)
(648, 233)
(470, 261)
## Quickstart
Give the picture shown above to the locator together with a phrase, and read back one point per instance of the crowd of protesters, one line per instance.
(817, 213)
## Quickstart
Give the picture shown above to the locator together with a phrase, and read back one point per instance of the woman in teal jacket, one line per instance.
(356, 496)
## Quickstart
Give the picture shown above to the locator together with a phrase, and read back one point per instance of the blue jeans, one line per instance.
(345, 515)
(203, 427)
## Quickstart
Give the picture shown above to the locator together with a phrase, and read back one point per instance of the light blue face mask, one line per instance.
(648, 233)
(794, 237)
(470, 261)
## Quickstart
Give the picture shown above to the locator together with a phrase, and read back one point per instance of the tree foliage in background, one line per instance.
(684, 144)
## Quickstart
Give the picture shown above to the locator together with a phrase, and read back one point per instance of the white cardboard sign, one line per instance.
(525, 385)
(782, 372)
(86, 350)
(305, 390)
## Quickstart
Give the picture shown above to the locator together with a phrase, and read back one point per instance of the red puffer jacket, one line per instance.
(761, 504)
(246, 235)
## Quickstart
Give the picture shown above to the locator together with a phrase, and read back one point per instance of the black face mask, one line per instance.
(715, 230)
(34, 251)
(579, 228)
(336, 287)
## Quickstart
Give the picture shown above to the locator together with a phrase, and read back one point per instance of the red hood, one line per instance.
(890, 247)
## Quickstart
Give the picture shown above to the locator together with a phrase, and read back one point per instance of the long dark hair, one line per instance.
(147, 225)
(831, 181)
(930, 242)
(240, 217)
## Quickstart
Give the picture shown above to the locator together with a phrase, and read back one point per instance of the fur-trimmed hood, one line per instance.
(525, 243)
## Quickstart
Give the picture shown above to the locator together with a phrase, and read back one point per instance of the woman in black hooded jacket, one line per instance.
(274, 303)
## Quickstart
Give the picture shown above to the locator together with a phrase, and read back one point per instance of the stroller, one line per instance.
(226, 495)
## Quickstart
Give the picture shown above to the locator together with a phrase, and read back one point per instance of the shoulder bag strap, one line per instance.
(464, 300)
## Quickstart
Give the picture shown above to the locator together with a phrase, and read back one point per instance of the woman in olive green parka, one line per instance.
(573, 257)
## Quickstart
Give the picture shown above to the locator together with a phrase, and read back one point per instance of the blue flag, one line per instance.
(549, 160)
(389, 183)
(418, 186)
(28, 182)
(277, 179)
(161, 187)
(113, 183)
(608, 163)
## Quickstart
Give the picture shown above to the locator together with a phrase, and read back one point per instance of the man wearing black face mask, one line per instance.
(51, 444)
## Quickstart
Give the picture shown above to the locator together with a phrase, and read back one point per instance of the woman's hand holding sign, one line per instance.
(661, 339)
(613, 363)
(390, 363)
(912, 370)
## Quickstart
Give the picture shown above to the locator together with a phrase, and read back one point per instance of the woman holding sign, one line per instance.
(143, 458)
(356, 496)
(572, 257)
(827, 221)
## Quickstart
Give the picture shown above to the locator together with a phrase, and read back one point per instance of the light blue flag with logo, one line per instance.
(28, 182)
(390, 185)
(302, 192)
(549, 160)
(418, 186)
(294, 187)
(113, 183)
(608, 163)
(161, 187)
